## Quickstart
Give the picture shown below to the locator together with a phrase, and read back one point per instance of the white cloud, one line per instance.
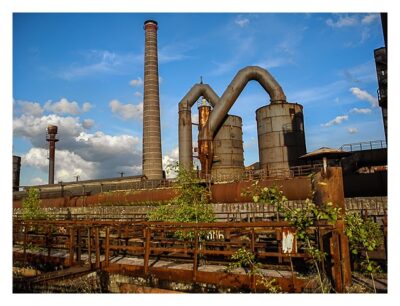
(275, 62)
(92, 156)
(138, 94)
(37, 181)
(86, 107)
(169, 159)
(87, 123)
(99, 62)
(65, 107)
(342, 21)
(241, 21)
(67, 164)
(34, 128)
(370, 18)
(32, 108)
(363, 111)
(364, 96)
(127, 111)
(136, 82)
(352, 130)
(336, 121)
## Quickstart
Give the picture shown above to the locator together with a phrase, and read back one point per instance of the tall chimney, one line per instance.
(152, 158)
(51, 138)
(16, 172)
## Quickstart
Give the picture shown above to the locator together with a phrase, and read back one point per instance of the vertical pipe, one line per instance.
(185, 136)
(78, 245)
(97, 248)
(107, 248)
(51, 138)
(71, 246)
(146, 250)
(89, 246)
(152, 157)
(195, 255)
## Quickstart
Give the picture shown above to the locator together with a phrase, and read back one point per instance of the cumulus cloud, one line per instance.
(169, 159)
(370, 18)
(342, 21)
(32, 108)
(136, 82)
(65, 107)
(352, 130)
(241, 21)
(127, 111)
(38, 181)
(336, 121)
(67, 164)
(364, 96)
(91, 156)
(87, 123)
(363, 111)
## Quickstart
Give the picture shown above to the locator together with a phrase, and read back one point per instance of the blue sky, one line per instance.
(84, 73)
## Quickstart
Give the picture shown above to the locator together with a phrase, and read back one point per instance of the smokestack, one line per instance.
(152, 158)
(51, 138)
(16, 172)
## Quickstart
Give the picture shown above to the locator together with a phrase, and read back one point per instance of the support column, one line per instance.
(328, 187)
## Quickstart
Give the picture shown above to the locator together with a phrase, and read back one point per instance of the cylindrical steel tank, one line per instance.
(228, 160)
(152, 157)
(16, 172)
(281, 141)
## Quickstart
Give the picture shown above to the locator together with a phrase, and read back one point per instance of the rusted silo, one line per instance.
(280, 129)
(228, 149)
(152, 157)
(51, 138)
(16, 172)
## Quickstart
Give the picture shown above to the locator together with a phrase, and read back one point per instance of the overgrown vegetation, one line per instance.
(300, 218)
(365, 236)
(191, 203)
(243, 258)
(31, 206)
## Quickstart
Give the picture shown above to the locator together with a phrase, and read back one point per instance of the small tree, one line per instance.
(191, 203)
(301, 219)
(365, 236)
(31, 206)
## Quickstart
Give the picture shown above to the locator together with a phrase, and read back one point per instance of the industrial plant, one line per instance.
(103, 225)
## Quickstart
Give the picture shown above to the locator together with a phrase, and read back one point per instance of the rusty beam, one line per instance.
(146, 250)
(195, 254)
(71, 246)
(97, 247)
(107, 248)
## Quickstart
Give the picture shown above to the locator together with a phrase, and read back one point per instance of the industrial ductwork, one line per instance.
(185, 120)
(220, 112)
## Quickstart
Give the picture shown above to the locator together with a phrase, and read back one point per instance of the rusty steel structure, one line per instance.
(113, 246)
(228, 157)
(287, 132)
(185, 120)
(52, 139)
(16, 172)
(281, 139)
(152, 156)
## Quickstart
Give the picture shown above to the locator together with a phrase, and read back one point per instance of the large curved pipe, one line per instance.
(185, 120)
(234, 89)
